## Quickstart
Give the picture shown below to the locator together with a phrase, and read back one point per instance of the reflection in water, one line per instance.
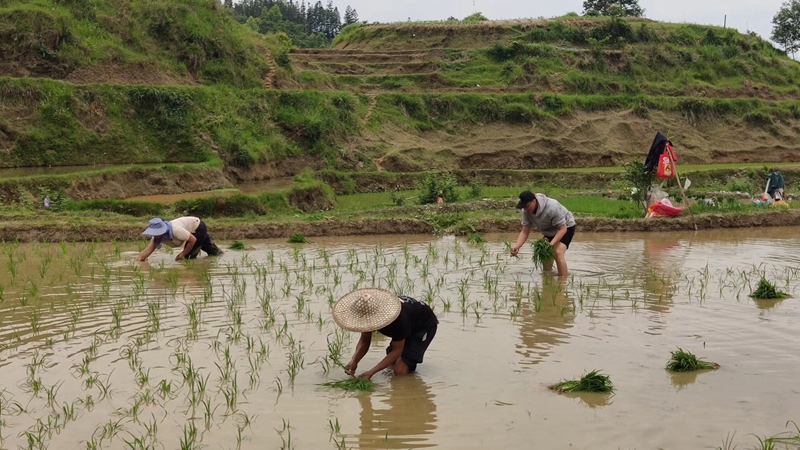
(682, 379)
(767, 305)
(406, 420)
(591, 399)
(545, 318)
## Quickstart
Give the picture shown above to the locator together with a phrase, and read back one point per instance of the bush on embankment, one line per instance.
(310, 196)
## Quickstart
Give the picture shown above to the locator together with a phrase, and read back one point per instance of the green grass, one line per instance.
(352, 384)
(593, 381)
(600, 206)
(683, 361)
(767, 291)
(145, 124)
(183, 40)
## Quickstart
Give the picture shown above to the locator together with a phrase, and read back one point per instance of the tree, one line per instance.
(786, 30)
(350, 16)
(271, 20)
(615, 8)
(477, 17)
(635, 174)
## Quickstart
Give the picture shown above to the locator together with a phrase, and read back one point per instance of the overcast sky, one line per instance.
(744, 15)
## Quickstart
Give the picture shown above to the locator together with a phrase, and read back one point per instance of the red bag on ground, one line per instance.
(666, 168)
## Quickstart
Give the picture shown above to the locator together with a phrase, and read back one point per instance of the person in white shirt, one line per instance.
(189, 232)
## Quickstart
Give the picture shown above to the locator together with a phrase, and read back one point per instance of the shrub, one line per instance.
(475, 189)
(438, 184)
(640, 179)
(477, 17)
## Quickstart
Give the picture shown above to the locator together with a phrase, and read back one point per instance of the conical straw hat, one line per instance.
(366, 310)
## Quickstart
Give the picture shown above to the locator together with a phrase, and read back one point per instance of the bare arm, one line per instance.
(388, 361)
(523, 236)
(151, 247)
(361, 349)
(560, 234)
(186, 248)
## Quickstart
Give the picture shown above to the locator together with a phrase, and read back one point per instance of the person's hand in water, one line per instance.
(350, 368)
(366, 375)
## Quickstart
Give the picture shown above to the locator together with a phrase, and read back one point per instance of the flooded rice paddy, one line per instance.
(98, 351)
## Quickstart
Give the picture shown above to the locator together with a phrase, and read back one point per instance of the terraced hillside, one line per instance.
(176, 82)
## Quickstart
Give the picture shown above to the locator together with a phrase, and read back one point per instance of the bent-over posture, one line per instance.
(552, 219)
(410, 323)
(189, 232)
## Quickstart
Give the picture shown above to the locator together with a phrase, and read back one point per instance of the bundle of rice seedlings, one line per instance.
(593, 381)
(683, 361)
(476, 238)
(298, 238)
(767, 291)
(352, 384)
(542, 252)
(239, 245)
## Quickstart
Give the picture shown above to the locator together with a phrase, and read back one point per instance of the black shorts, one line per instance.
(203, 242)
(567, 237)
(415, 347)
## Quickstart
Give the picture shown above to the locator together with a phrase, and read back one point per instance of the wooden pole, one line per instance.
(683, 193)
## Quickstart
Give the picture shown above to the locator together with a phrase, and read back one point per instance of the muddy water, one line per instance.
(97, 348)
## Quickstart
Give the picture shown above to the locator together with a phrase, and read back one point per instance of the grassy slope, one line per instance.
(46, 122)
(580, 56)
(177, 42)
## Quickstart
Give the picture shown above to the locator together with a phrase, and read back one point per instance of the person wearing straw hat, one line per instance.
(410, 323)
(189, 232)
(552, 219)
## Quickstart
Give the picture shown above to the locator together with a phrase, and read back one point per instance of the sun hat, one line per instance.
(524, 198)
(365, 310)
(157, 228)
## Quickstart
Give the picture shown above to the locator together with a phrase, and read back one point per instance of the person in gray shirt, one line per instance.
(552, 219)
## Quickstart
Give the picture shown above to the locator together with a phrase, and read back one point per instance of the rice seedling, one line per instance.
(286, 436)
(767, 291)
(352, 384)
(543, 252)
(683, 361)
(189, 439)
(239, 245)
(475, 238)
(593, 381)
(298, 238)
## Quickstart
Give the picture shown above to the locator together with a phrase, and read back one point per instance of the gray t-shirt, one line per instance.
(549, 216)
